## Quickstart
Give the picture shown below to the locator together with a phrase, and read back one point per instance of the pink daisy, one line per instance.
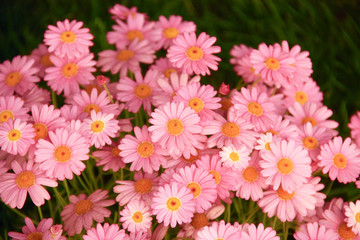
(136, 217)
(30, 231)
(194, 55)
(109, 158)
(139, 92)
(283, 129)
(314, 231)
(354, 126)
(273, 64)
(69, 73)
(122, 12)
(141, 152)
(68, 38)
(255, 107)
(165, 67)
(173, 204)
(126, 57)
(12, 107)
(302, 92)
(235, 130)
(16, 136)
(340, 159)
(219, 230)
(171, 28)
(176, 128)
(62, 156)
(201, 185)
(105, 232)
(72, 112)
(82, 210)
(352, 213)
(286, 165)
(17, 76)
(102, 127)
(41, 56)
(239, 51)
(245, 69)
(201, 98)
(264, 142)
(259, 233)
(36, 96)
(237, 158)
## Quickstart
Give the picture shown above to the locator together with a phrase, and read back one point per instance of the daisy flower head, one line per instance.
(83, 209)
(105, 232)
(255, 107)
(315, 231)
(29, 231)
(18, 76)
(200, 183)
(176, 128)
(102, 127)
(68, 39)
(61, 156)
(173, 204)
(109, 157)
(259, 232)
(136, 217)
(194, 54)
(283, 129)
(26, 179)
(352, 213)
(264, 141)
(201, 98)
(165, 67)
(122, 12)
(12, 107)
(239, 51)
(36, 96)
(171, 28)
(16, 136)
(354, 126)
(340, 159)
(273, 64)
(237, 158)
(41, 56)
(72, 112)
(219, 230)
(141, 152)
(286, 165)
(68, 74)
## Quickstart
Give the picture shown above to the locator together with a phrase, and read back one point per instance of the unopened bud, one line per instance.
(224, 89)
(101, 79)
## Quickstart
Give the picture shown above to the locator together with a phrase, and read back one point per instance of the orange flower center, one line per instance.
(226, 104)
(35, 236)
(97, 126)
(272, 131)
(12, 79)
(145, 149)
(170, 32)
(144, 185)
(357, 217)
(216, 176)
(5, 115)
(173, 204)
(230, 129)
(195, 188)
(45, 60)
(124, 55)
(197, 104)
(175, 127)
(255, 109)
(194, 53)
(250, 174)
(168, 72)
(142, 91)
(41, 130)
(285, 166)
(115, 151)
(25, 179)
(191, 159)
(199, 220)
(131, 35)
(90, 87)
(83, 206)
(284, 195)
(267, 146)
(339, 161)
(310, 142)
(62, 154)
(137, 217)
(272, 63)
(14, 135)
(345, 232)
(301, 97)
(310, 120)
(68, 37)
(91, 107)
(70, 70)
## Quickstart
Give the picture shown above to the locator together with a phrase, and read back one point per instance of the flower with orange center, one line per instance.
(25, 179)
(255, 109)
(310, 120)
(68, 37)
(30, 232)
(175, 127)
(301, 97)
(83, 206)
(70, 70)
(272, 63)
(310, 142)
(62, 154)
(194, 53)
(124, 55)
(41, 130)
(132, 34)
(199, 220)
(250, 174)
(237, 158)
(230, 129)
(352, 213)
(5, 115)
(13, 79)
(143, 185)
(136, 217)
(45, 60)
(170, 32)
(143, 91)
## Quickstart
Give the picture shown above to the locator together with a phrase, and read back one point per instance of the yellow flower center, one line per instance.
(230, 129)
(301, 97)
(45, 60)
(91, 107)
(197, 104)
(90, 87)
(97, 126)
(345, 232)
(310, 120)
(226, 104)
(25, 179)
(272, 131)
(145, 149)
(199, 220)
(131, 35)
(62, 154)
(115, 151)
(272, 63)
(137, 217)
(339, 161)
(234, 156)
(83, 206)
(41, 130)
(144, 185)
(170, 32)
(175, 127)
(14, 135)
(216, 176)
(35, 236)
(194, 53)
(310, 142)
(267, 146)
(357, 217)
(255, 109)
(168, 72)
(68, 37)
(5, 115)
(173, 204)
(285, 166)
(124, 55)
(142, 91)
(250, 174)
(195, 188)
(13, 78)
(70, 70)
(284, 195)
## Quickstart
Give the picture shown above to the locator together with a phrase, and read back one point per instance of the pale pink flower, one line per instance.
(302, 92)
(259, 232)
(122, 12)
(239, 51)
(194, 55)
(237, 158)
(36, 96)
(17, 76)
(352, 213)
(264, 141)
(136, 217)
(41, 56)
(218, 230)
(354, 126)
(109, 157)
(173, 204)
(12, 107)
(82, 210)
(314, 231)
(30, 231)
(27, 178)
(105, 232)
(68, 38)
(341, 159)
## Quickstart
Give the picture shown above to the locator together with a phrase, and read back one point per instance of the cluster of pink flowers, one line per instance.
(200, 149)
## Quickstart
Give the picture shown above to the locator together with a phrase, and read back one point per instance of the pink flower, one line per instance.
(12, 107)
(109, 157)
(352, 213)
(236, 158)
(165, 67)
(136, 217)
(82, 210)
(105, 232)
(32, 232)
(68, 74)
(62, 156)
(302, 92)
(194, 55)
(122, 12)
(259, 233)
(224, 89)
(314, 231)
(354, 126)
(219, 230)
(173, 204)
(73, 112)
(17, 76)
(68, 38)
(41, 56)
(340, 159)
(36, 96)
(238, 52)
(283, 128)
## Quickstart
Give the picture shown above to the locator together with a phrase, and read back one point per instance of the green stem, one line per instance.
(66, 188)
(251, 214)
(54, 99)
(108, 92)
(264, 219)
(274, 222)
(329, 188)
(286, 229)
(40, 213)
(51, 209)
(59, 198)
(228, 212)
(83, 184)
